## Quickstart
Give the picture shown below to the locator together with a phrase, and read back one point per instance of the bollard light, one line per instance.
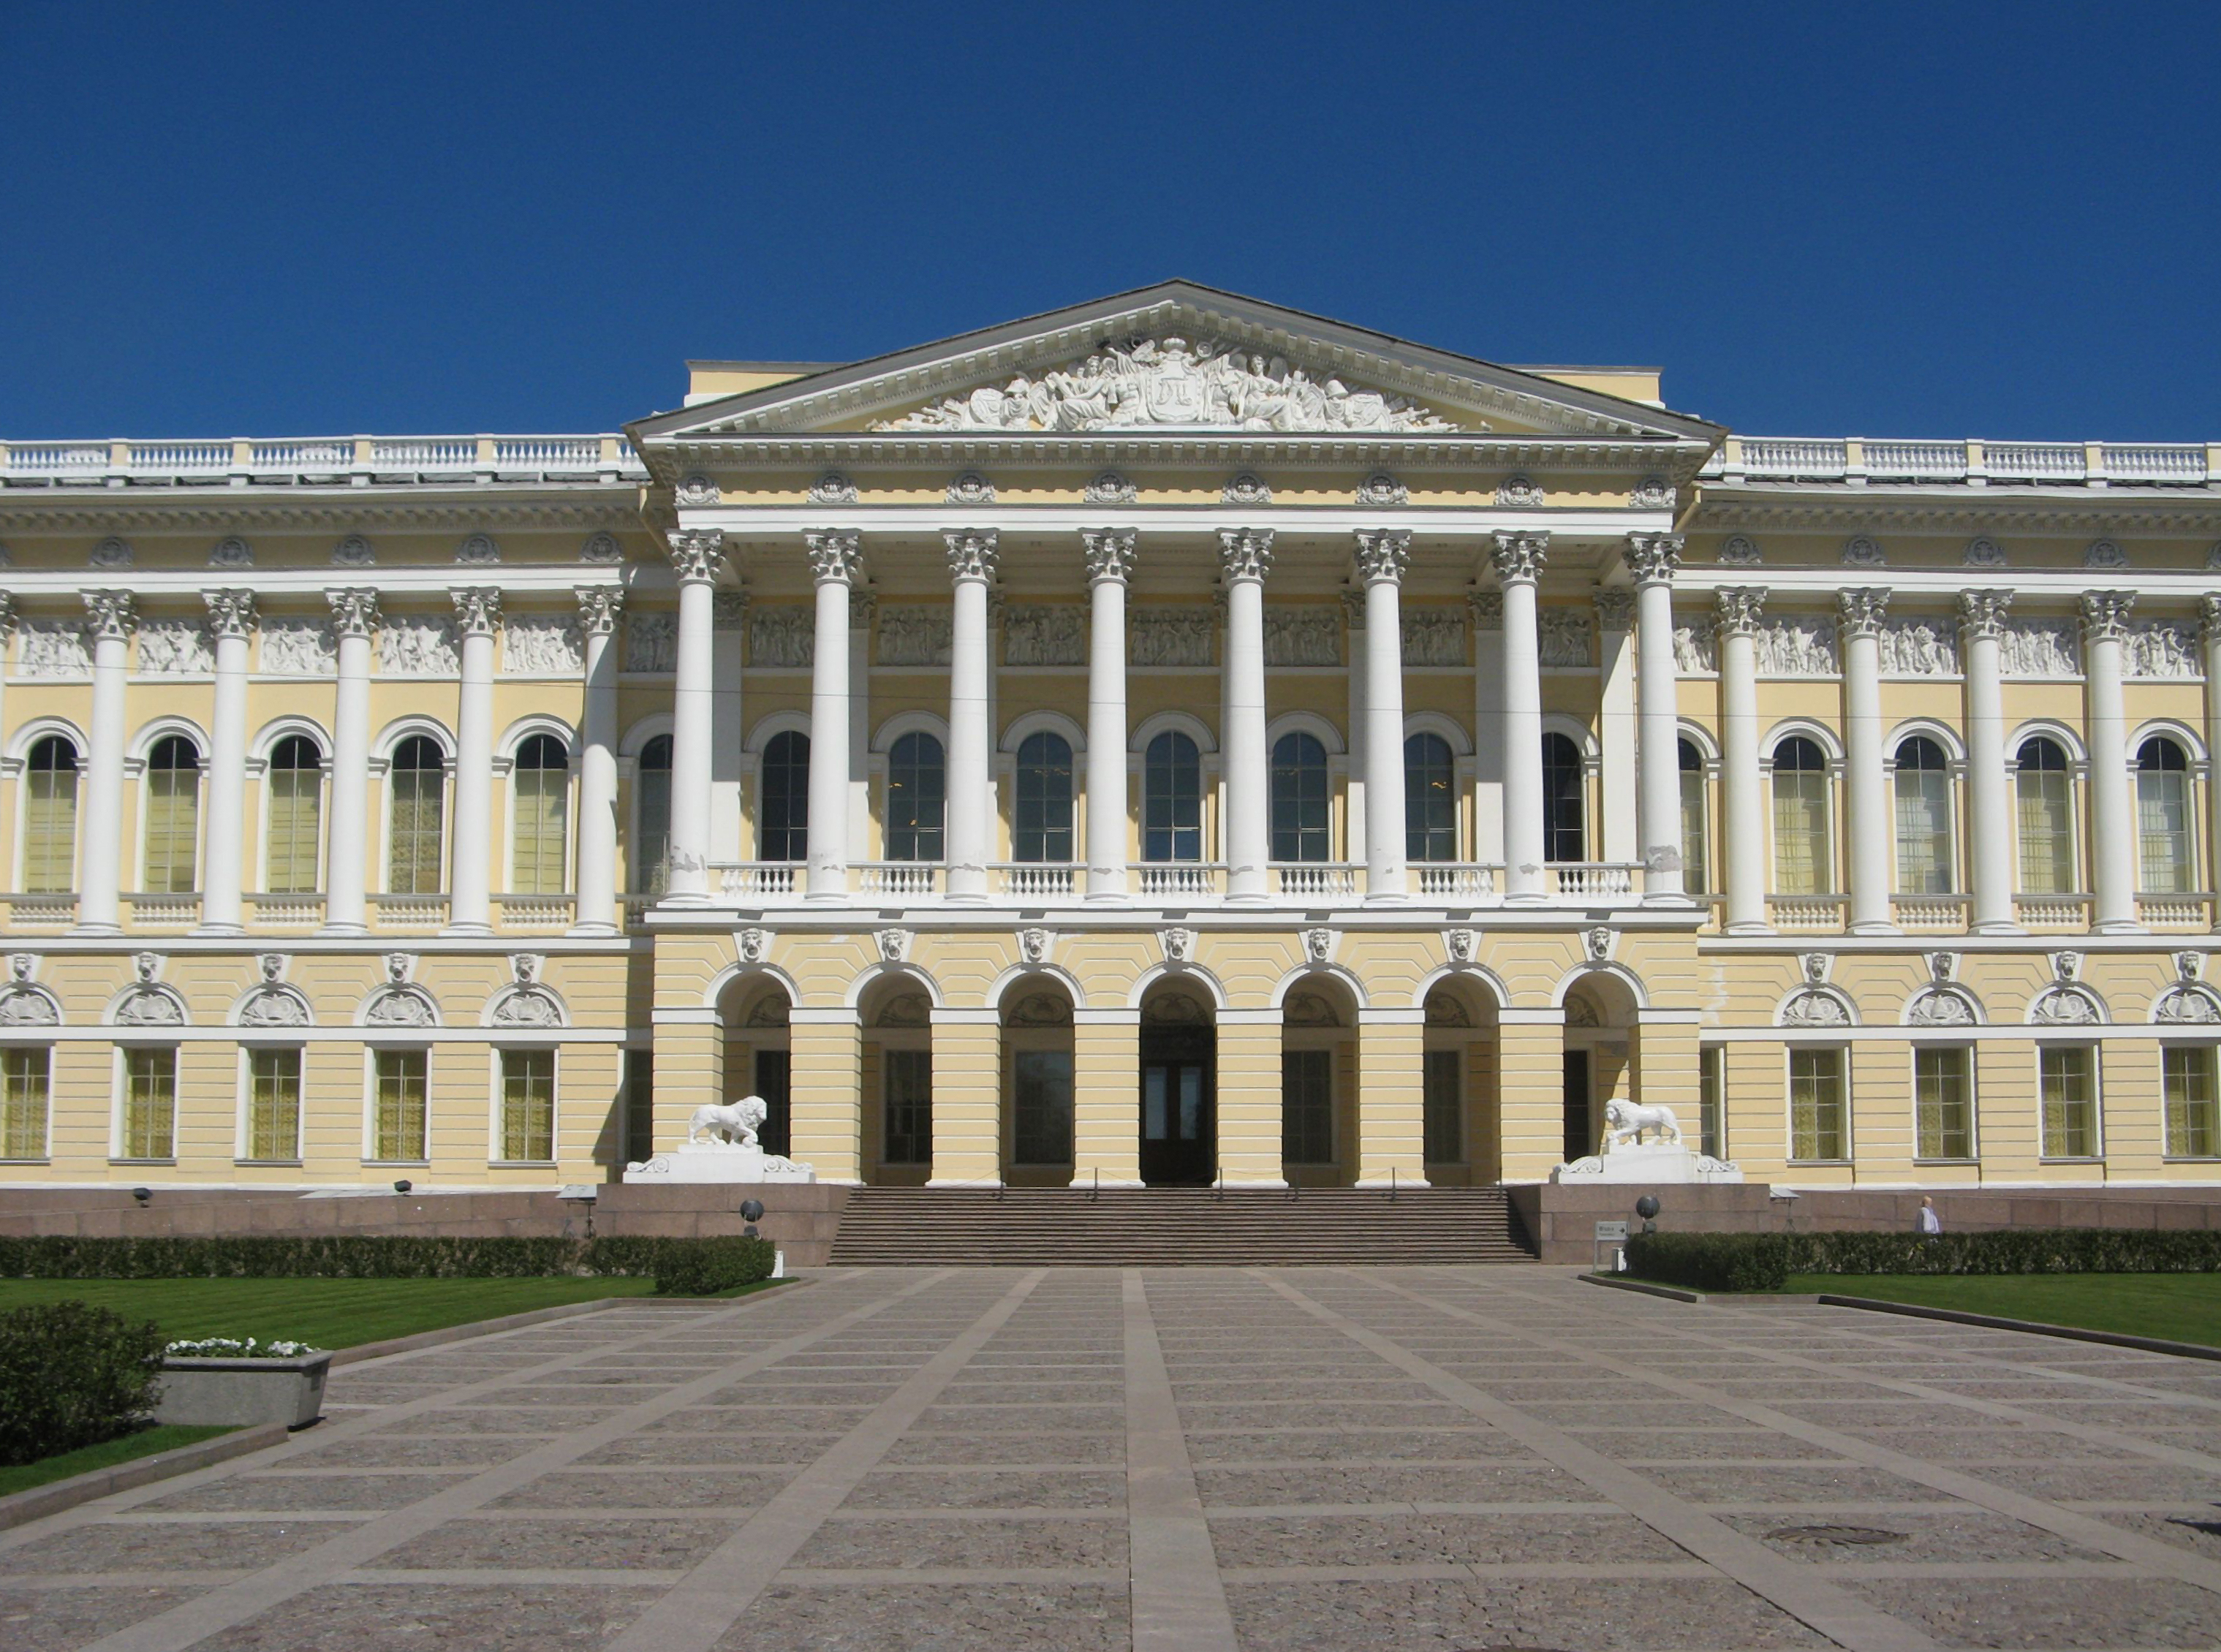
(144, 1195)
(403, 1186)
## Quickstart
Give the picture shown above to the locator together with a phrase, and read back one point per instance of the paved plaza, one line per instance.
(1184, 1460)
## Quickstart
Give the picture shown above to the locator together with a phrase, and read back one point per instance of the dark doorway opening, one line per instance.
(774, 1083)
(1581, 1129)
(1179, 1121)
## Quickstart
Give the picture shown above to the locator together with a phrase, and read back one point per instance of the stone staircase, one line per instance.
(1162, 1226)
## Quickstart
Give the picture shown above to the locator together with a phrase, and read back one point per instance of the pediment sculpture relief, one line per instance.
(1047, 634)
(1302, 636)
(399, 1006)
(275, 1006)
(913, 636)
(1170, 636)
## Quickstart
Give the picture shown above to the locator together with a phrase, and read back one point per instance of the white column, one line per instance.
(835, 560)
(862, 605)
(1245, 557)
(99, 903)
(1110, 564)
(1487, 609)
(1618, 728)
(231, 619)
(1519, 559)
(972, 553)
(698, 556)
(2211, 613)
(1742, 789)
(470, 903)
(728, 618)
(2112, 807)
(1991, 826)
(599, 607)
(347, 906)
(1382, 556)
(1652, 558)
(1873, 838)
(1356, 847)
(7, 630)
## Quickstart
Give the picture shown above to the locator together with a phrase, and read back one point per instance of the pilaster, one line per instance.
(1391, 1149)
(968, 1089)
(1250, 1098)
(826, 1049)
(1530, 1078)
(1106, 1061)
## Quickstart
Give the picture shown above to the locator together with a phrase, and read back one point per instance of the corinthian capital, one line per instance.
(833, 557)
(1738, 609)
(355, 612)
(1111, 552)
(1383, 554)
(2209, 611)
(599, 608)
(2106, 615)
(698, 554)
(478, 609)
(231, 613)
(1861, 609)
(974, 553)
(1487, 608)
(1614, 606)
(1245, 552)
(1519, 555)
(7, 614)
(1652, 558)
(1982, 614)
(109, 615)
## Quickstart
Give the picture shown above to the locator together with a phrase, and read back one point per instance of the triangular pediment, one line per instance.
(1176, 360)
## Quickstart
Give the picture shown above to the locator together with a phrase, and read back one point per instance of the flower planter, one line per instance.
(236, 1393)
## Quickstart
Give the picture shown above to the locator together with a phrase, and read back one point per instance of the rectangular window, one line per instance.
(906, 1096)
(2068, 1079)
(1944, 1103)
(23, 1076)
(1040, 1125)
(639, 1105)
(2047, 830)
(1924, 831)
(2163, 829)
(1696, 852)
(1819, 1132)
(398, 1129)
(528, 1106)
(1804, 859)
(1444, 1104)
(2193, 1123)
(174, 800)
(296, 798)
(540, 836)
(49, 822)
(1712, 1102)
(273, 1105)
(1307, 1106)
(150, 1104)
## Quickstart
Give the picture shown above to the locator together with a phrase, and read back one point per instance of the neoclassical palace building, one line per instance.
(1170, 740)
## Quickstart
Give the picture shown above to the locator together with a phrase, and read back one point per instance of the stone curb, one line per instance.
(40, 1501)
(1674, 1292)
(447, 1334)
(2033, 1327)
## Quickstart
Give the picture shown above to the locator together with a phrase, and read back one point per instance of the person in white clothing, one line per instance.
(1930, 1223)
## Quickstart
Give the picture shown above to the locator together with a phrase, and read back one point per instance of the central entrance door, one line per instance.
(1179, 1122)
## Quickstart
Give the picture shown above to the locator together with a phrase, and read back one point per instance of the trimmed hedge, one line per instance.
(1762, 1261)
(73, 1375)
(370, 1256)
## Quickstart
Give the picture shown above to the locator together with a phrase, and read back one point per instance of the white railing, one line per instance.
(1805, 911)
(321, 459)
(548, 455)
(2175, 463)
(1313, 878)
(408, 911)
(905, 878)
(1780, 459)
(28, 912)
(2052, 911)
(1929, 911)
(758, 880)
(2035, 461)
(1590, 879)
(292, 910)
(1455, 879)
(1916, 461)
(317, 459)
(1033, 880)
(2174, 911)
(164, 908)
(536, 911)
(1178, 880)
(424, 455)
(1792, 459)
(55, 461)
(183, 459)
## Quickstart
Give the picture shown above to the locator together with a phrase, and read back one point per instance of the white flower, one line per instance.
(236, 1347)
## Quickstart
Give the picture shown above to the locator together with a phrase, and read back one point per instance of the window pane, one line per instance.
(783, 810)
(1923, 819)
(2193, 1130)
(1444, 1103)
(50, 819)
(775, 1084)
(1042, 820)
(1429, 799)
(527, 1106)
(397, 1130)
(1565, 836)
(906, 1092)
(1172, 799)
(539, 787)
(172, 825)
(1307, 1106)
(273, 1104)
(2068, 1076)
(1696, 838)
(1804, 859)
(2044, 791)
(918, 792)
(416, 787)
(1302, 825)
(2163, 825)
(23, 1103)
(1711, 1103)
(295, 829)
(1816, 1123)
(640, 1105)
(1943, 1110)
(150, 1104)
(1040, 1125)
(651, 856)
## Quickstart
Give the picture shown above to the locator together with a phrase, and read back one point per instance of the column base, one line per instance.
(1387, 897)
(964, 1181)
(1873, 926)
(1397, 1184)
(1996, 926)
(2116, 926)
(1748, 926)
(97, 929)
(831, 898)
(688, 898)
(466, 931)
(343, 931)
(1107, 1183)
(213, 931)
(592, 931)
(1526, 897)
(1676, 900)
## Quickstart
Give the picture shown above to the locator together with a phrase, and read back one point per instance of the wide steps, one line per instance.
(1174, 1226)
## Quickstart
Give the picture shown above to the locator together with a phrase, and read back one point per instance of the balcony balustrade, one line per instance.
(908, 879)
(1928, 913)
(534, 911)
(2186, 911)
(2052, 911)
(1178, 880)
(1031, 880)
(326, 459)
(408, 911)
(2050, 464)
(1454, 880)
(164, 910)
(1594, 880)
(38, 911)
(285, 911)
(1808, 913)
(757, 882)
(1331, 879)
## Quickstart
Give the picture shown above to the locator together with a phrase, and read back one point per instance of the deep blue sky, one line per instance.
(1887, 220)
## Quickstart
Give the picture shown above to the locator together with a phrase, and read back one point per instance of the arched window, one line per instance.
(2163, 817)
(783, 800)
(1429, 799)
(1172, 799)
(651, 812)
(1923, 818)
(1696, 820)
(539, 790)
(2045, 792)
(415, 814)
(1043, 825)
(173, 817)
(1301, 826)
(917, 798)
(294, 830)
(1804, 851)
(50, 818)
(1564, 834)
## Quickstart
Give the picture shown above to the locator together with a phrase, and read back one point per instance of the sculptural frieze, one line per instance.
(1433, 636)
(543, 645)
(417, 645)
(1170, 636)
(1919, 648)
(652, 642)
(1566, 637)
(1044, 634)
(914, 635)
(295, 646)
(2165, 648)
(1695, 650)
(784, 638)
(1797, 645)
(175, 647)
(52, 648)
(1302, 636)
(2040, 647)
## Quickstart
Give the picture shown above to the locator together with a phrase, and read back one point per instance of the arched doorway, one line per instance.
(1318, 1084)
(1037, 1080)
(1462, 1126)
(1179, 1088)
(757, 1060)
(897, 1083)
(1599, 1057)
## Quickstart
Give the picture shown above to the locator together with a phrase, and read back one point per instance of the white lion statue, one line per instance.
(735, 1125)
(1626, 1121)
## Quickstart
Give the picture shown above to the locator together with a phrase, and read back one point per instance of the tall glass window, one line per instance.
(1302, 818)
(906, 1101)
(640, 1104)
(1307, 1106)
(50, 818)
(651, 811)
(783, 800)
(1696, 821)
(1565, 833)
(527, 1106)
(2163, 817)
(1803, 849)
(1923, 818)
(1431, 809)
(1443, 1101)
(1040, 1111)
(150, 1104)
(1172, 799)
(294, 831)
(539, 787)
(415, 824)
(1944, 1103)
(2045, 790)
(2193, 1121)
(2067, 1079)
(1819, 1129)
(273, 1105)
(173, 817)
(398, 1104)
(1712, 1102)
(917, 798)
(1042, 827)
(23, 1080)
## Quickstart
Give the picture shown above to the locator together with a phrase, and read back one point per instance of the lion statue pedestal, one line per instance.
(721, 1146)
(1628, 1157)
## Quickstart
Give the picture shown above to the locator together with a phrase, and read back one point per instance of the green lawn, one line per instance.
(166, 1437)
(2178, 1307)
